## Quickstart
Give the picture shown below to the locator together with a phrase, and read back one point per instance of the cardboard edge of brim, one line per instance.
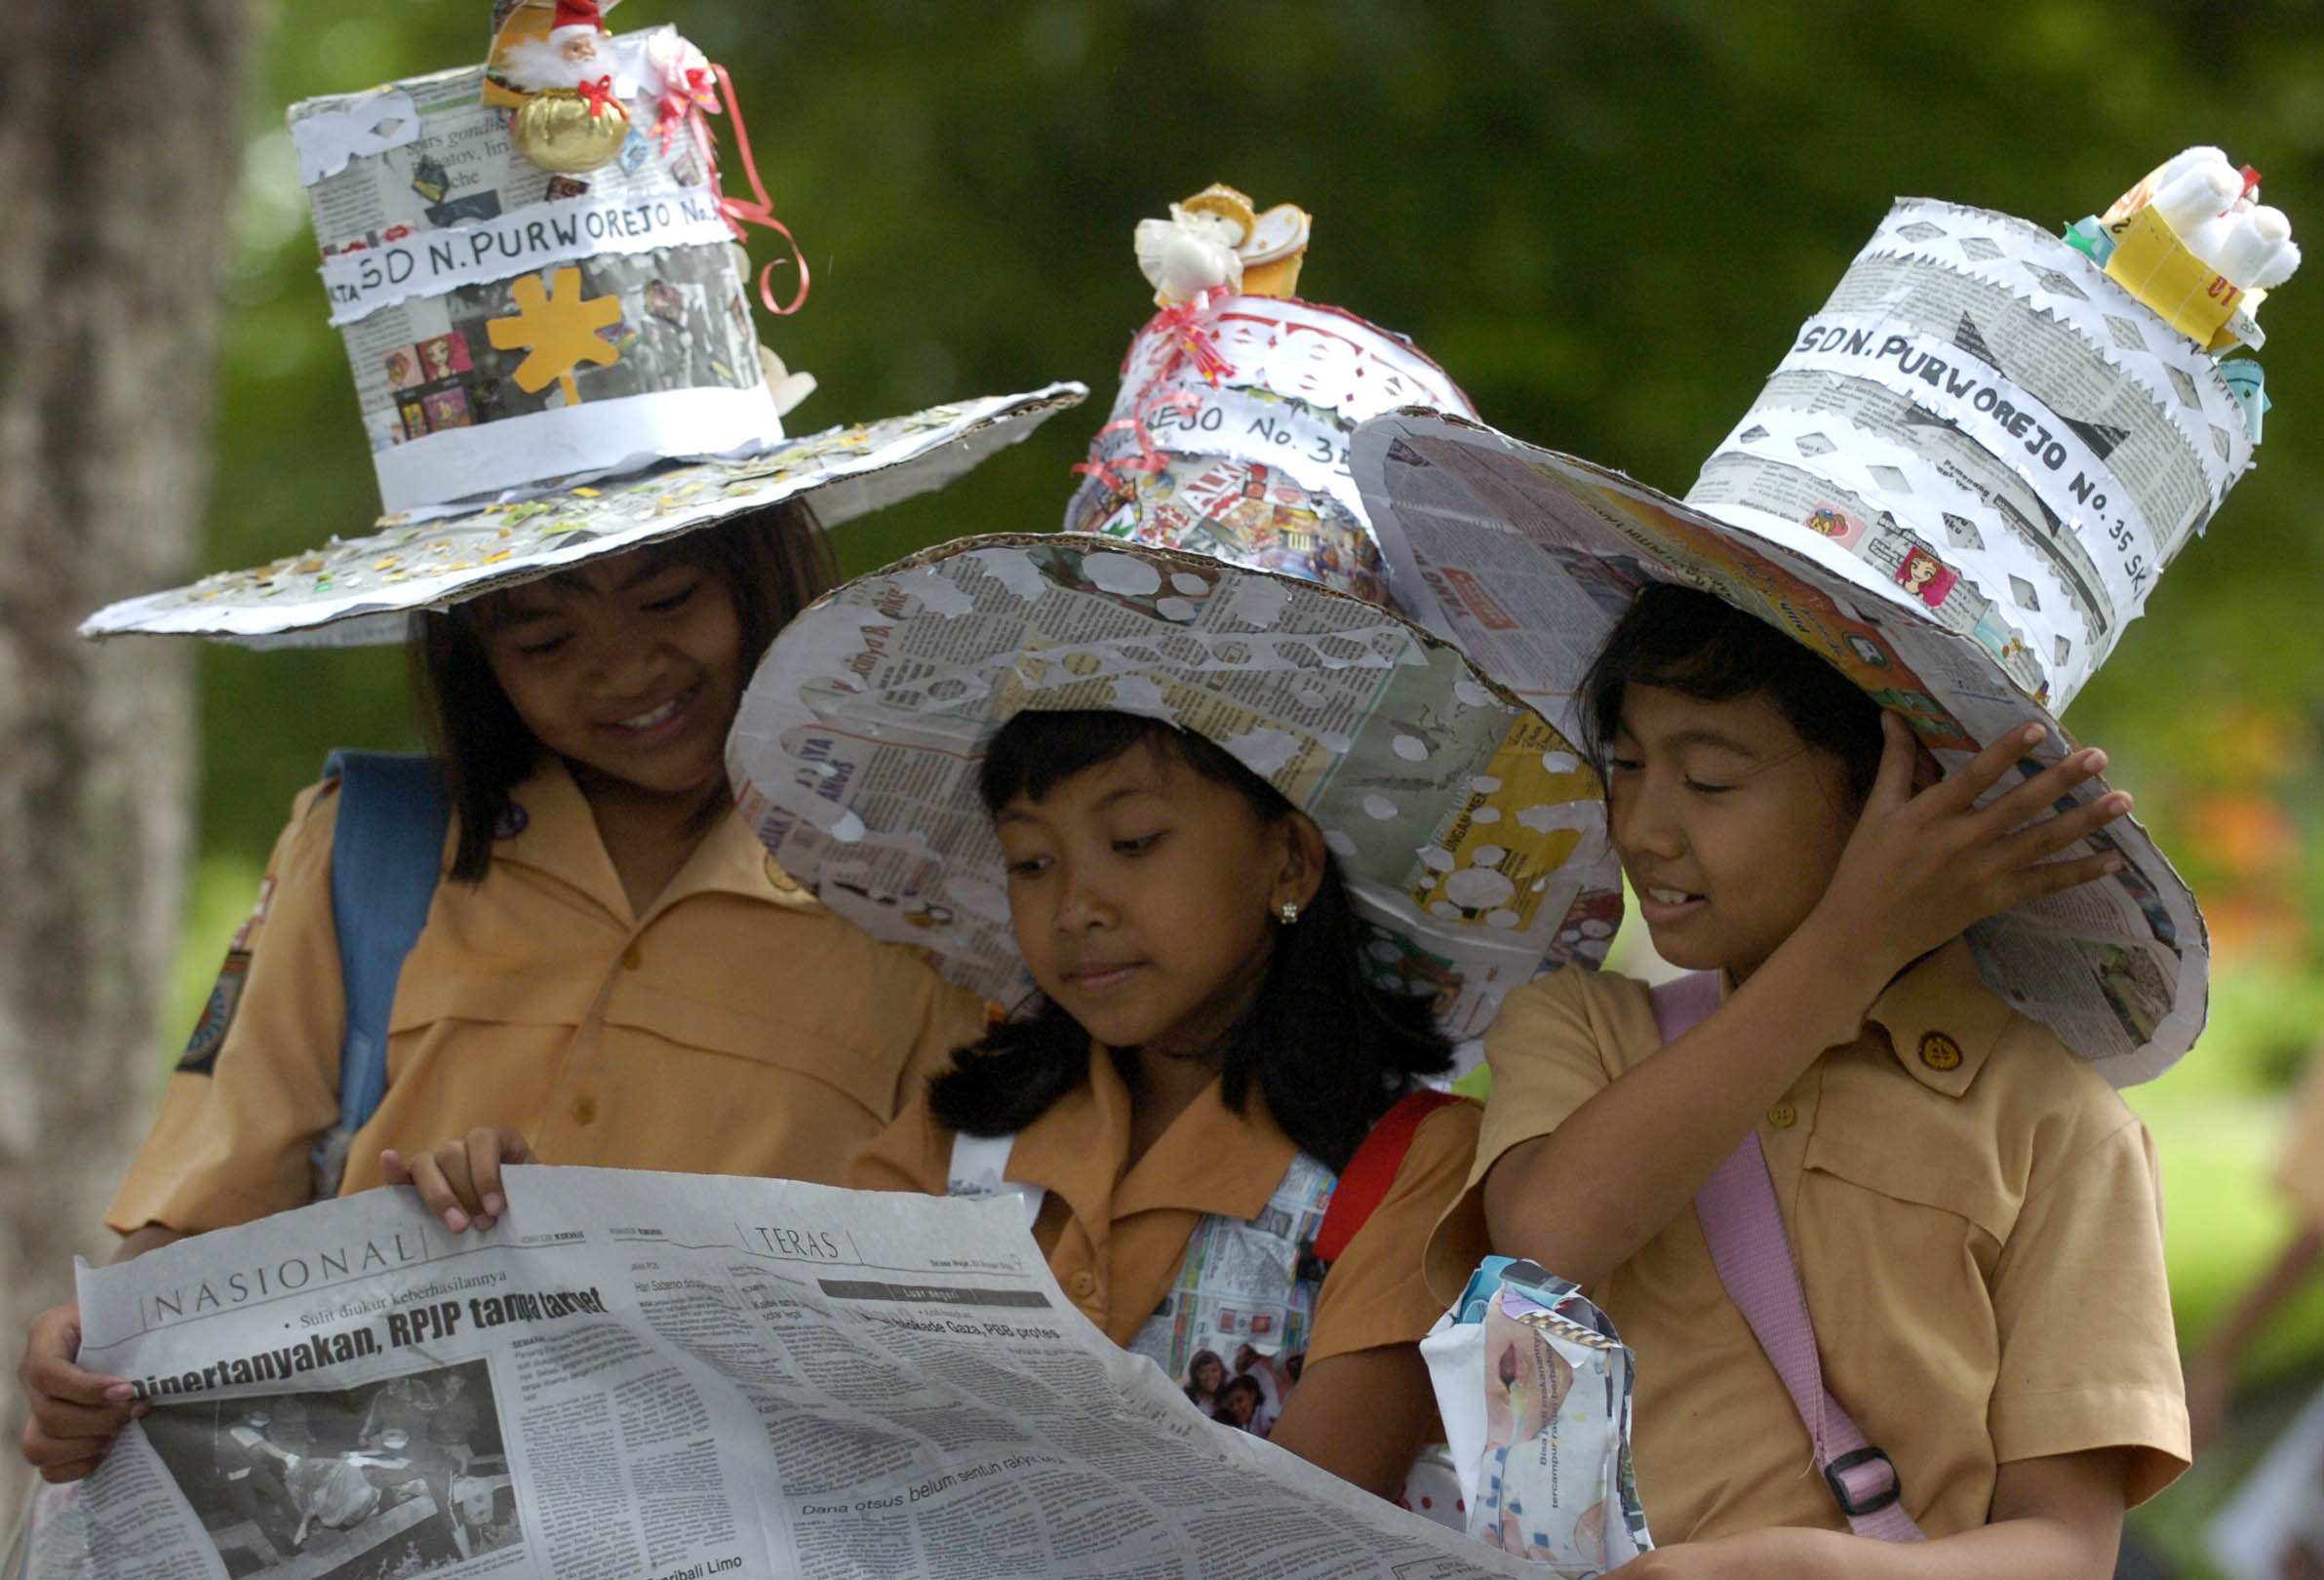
(839, 498)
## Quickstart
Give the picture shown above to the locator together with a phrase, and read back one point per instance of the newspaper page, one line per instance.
(670, 1377)
(854, 757)
(1526, 559)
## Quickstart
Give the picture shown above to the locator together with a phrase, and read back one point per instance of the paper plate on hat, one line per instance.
(1471, 836)
(1959, 486)
(549, 325)
(1237, 401)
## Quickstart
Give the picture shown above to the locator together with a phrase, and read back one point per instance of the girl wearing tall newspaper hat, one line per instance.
(1240, 847)
(589, 564)
(1859, 1194)
(1257, 847)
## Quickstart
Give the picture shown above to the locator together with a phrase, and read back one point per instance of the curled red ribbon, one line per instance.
(1186, 322)
(1148, 458)
(757, 209)
(599, 97)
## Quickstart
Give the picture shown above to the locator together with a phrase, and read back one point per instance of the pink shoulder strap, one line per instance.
(1745, 1230)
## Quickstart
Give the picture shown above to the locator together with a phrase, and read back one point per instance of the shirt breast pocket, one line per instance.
(1897, 1244)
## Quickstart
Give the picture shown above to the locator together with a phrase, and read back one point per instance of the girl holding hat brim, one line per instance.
(608, 956)
(1858, 1193)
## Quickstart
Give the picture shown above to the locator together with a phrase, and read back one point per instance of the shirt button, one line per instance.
(1084, 1284)
(1783, 1115)
(584, 1109)
(1940, 1052)
(632, 958)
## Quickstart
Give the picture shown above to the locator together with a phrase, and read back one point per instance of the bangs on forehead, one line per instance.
(1037, 751)
(522, 601)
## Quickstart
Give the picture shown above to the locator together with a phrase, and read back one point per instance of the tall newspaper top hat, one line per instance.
(1230, 433)
(2014, 432)
(548, 317)
(1470, 835)
(1958, 486)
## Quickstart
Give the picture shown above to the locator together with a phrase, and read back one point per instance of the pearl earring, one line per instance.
(1290, 911)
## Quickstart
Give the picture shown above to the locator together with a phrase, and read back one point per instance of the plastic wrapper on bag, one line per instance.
(1534, 1388)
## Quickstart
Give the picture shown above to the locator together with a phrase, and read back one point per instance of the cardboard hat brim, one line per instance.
(1470, 833)
(363, 590)
(1526, 558)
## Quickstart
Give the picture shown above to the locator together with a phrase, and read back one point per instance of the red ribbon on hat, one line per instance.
(683, 96)
(599, 97)
(1191, 334)
(755, 210)
(1148, 458)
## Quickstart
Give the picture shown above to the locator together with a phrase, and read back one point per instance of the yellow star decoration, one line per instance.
(559, 332)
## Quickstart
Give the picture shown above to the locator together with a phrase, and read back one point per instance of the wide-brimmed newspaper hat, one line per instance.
(1229, 435)
(1472, 835)
(1957, 488)
(549, 318)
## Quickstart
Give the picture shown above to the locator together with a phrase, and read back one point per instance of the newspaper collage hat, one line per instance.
(1230, 433)
(1470, 835)
(1220, 579)
(1958, 486)
(537, 281)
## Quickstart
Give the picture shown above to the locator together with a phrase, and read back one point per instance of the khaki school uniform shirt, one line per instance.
(737, 1027)
(2301, 1173)
(1114, 1235)
(1978, 1226)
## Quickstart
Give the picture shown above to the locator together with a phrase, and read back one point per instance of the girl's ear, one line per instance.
(1303, 863)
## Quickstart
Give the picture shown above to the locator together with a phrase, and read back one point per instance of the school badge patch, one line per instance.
(226, 994)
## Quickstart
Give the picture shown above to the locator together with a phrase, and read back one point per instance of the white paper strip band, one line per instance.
(459, 463)
(537, 236)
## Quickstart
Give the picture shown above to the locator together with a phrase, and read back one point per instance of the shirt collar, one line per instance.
(1941, 1019)
(1210, 1160)
(557, 835)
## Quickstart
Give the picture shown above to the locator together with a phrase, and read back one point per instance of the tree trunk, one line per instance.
(120, 130)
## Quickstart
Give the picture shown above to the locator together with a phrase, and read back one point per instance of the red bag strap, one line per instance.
(1364, 1184)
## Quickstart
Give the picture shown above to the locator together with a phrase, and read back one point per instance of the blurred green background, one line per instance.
(1605, 224)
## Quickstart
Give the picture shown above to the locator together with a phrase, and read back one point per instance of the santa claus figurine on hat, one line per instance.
(566, 56)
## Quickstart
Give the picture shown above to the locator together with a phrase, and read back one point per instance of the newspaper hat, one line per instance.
(537, 283)
(1229, 434)
(1959, 485)
(1471, 834)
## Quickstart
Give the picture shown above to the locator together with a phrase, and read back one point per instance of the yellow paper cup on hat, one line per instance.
(1230, 433)
(1471, 834)
(1958, 486)
(551, 366)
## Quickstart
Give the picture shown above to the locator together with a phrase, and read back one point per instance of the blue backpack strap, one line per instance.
(387, 851)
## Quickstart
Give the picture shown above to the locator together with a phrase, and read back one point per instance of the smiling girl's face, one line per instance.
(630, 665)
(1728, 825)
(1144, 896)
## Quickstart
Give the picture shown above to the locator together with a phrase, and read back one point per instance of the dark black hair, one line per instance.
(774, 562)
(1704, 646)
(1329, 1050)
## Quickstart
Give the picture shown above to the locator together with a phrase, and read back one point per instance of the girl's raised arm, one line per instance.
(1916, 870)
